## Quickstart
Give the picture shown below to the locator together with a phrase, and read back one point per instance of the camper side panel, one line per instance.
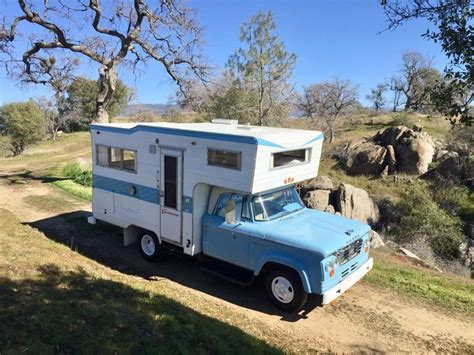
(125, 195)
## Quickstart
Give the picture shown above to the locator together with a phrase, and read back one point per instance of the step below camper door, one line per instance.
(171, 182)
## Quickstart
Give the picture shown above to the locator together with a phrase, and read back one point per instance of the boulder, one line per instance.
(356, 203)
(317, 199)
(376, 240)
(418, 128)
(391, 160)
(457, 167)
(390, 136)
(330, 209)
(318, 183)
(395, 149)
(414, 154)
(440, 154)
(365, 157)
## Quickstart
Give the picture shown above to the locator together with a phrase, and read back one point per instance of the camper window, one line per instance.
(291, 157)
(116, 158)
(224, 158)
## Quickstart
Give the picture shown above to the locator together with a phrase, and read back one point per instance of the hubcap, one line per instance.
(148, 245)
(283, 289)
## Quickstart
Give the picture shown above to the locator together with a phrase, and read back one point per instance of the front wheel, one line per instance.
(149, 246)
(285, 290)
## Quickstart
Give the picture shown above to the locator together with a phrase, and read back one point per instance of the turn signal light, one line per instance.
(331, 272)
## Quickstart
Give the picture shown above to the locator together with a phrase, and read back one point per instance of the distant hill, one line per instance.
(157, 109)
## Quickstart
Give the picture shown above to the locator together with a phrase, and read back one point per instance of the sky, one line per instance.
(331, 38)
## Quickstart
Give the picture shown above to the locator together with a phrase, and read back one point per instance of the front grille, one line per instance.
(349, 270)
(349, 252)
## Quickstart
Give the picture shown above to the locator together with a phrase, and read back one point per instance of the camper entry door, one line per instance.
(171, 182)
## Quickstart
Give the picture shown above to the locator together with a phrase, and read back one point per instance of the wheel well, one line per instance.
(272, 266)
(132, 232)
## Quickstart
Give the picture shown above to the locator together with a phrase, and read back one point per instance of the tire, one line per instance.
(285, 290)
(149, 246)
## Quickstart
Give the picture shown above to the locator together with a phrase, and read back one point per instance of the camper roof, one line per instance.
(277, 137)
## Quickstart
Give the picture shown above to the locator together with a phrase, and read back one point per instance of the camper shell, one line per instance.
(179, 185)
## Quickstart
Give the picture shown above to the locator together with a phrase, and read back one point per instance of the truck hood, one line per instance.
(321, 232)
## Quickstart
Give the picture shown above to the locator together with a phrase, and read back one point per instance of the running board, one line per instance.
(231, 273)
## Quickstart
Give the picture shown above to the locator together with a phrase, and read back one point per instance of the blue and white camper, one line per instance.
(226, 192)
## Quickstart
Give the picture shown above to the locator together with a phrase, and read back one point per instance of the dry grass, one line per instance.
(55, 300)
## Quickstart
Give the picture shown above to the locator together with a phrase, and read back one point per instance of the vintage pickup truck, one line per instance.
(226, 192)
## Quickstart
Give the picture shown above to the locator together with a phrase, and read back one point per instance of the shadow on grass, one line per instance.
(29, 175)
(103, 243)
(74, 312)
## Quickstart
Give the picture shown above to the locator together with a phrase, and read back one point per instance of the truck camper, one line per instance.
(226, 192)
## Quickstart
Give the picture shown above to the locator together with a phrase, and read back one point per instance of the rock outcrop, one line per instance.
(366, 158)
(318, 183)
(395, 149)
(376, 240)
(356, 203)
(317, 199)
(347, 200)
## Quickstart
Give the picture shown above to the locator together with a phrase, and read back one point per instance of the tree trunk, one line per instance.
(408, 103)
(107, 81)
(331, 133)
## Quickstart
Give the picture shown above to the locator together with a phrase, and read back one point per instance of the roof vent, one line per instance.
(224, 121)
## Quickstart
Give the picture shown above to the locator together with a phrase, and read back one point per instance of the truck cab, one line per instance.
(299, 251)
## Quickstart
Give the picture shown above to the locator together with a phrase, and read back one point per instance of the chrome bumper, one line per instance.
(343, 286)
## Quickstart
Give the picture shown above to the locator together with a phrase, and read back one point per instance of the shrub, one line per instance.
(78, 174)
(23, 123)
(418, 215)
(71, 170)
(5, 146)
(84, 178)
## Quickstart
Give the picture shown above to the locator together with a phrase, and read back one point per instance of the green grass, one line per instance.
(446, 291)
(53, 300)
(74, 189)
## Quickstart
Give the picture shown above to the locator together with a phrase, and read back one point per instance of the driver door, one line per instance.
(227, 241)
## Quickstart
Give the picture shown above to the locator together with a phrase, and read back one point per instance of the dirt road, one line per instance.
(364, 319)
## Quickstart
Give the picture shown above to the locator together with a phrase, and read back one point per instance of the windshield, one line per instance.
(276, 204)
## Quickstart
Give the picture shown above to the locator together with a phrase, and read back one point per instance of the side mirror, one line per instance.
(230, 211)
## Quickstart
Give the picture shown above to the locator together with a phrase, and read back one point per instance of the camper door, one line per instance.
(171, 182)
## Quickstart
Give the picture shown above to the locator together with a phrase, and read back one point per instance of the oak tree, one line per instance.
(454, 31)
(329, 101)
(129, 33)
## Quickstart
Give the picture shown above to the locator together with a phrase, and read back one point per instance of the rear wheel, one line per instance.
(149, 246)
(285, 289)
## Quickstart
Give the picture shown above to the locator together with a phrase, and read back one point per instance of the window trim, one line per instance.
(135, 152)
(308, 154)
(239, 155)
